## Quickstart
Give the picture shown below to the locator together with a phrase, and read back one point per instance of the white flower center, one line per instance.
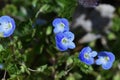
(61, 25)
(105, 59)
(7, 26)
(86, 55)
(64, 40)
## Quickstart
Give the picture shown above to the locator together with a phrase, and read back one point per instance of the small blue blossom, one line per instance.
(7, 26)
(105, 59)
(60, 25)
(87, 55)
(65, 41)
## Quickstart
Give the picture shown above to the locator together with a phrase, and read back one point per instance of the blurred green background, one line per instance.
(31, 54)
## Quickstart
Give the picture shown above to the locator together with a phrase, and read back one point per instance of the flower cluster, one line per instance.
(105, 59)
(64, 38)
(7, 26)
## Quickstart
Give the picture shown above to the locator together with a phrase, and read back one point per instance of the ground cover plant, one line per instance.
(59, 40)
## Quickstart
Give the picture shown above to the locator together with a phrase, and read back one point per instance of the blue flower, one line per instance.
(87, 55)
(105, 59)
(60, 25)
(7, 26)
(64, 41)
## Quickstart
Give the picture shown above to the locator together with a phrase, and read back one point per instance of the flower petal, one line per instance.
(99, 61)
(86, 50)
(71, 45)
(59, 37)
(107, 66)
(111, 56)
(56, 21)
(93, 53)
(65, 21)
(69, 35)
(61, 46)
(57, 30)
(89, 61)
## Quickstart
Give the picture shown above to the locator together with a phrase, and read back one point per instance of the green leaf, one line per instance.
(69, 61)
(117, 76)
(111, 36)
(1, 48)
(49, 30)
(70, 77)
(42, 68)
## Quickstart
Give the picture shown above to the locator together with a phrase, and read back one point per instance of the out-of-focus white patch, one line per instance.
(89, 37)
(85, 24)
(106, 10)
(119, 66)
(108, 27)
